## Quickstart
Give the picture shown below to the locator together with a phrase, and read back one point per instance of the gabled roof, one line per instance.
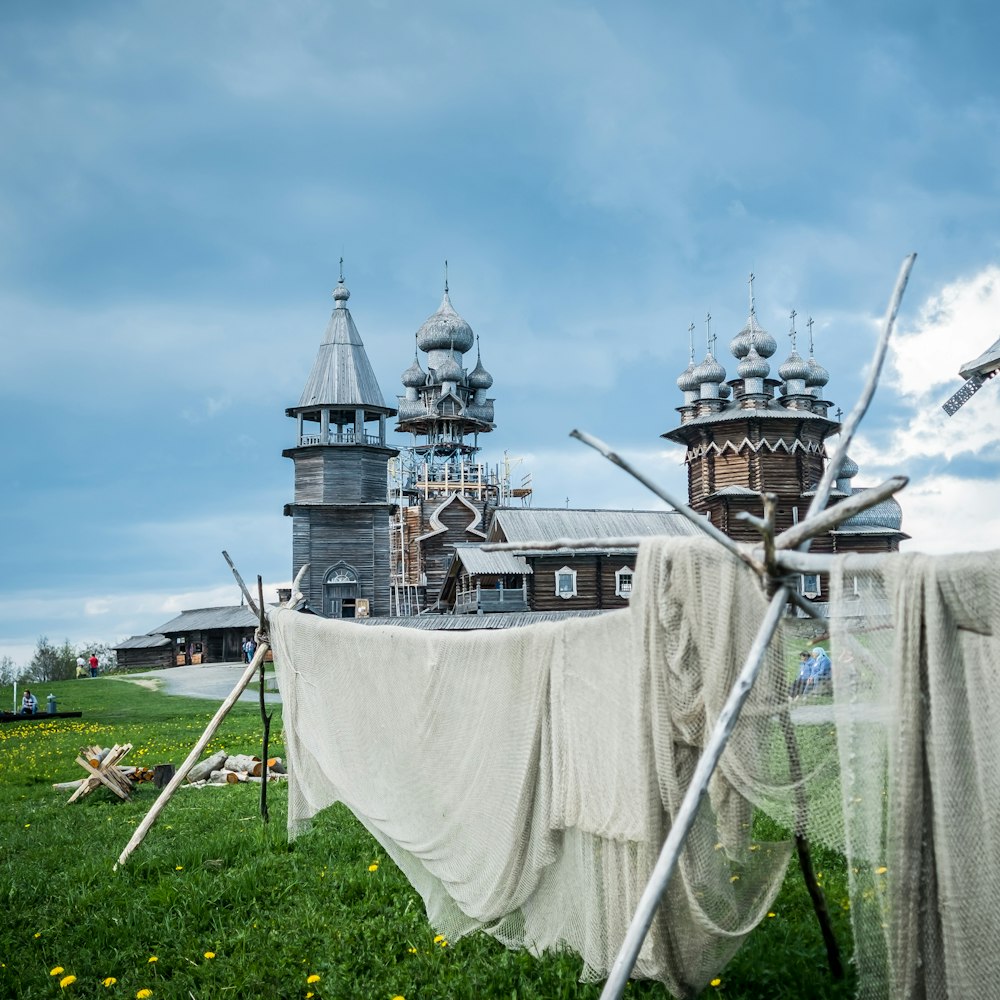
(342, 374)
(143, 642)
(476, 562)
(200, 619)
(535, 524)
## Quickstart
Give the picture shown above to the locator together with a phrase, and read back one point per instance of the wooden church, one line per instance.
(393, 532)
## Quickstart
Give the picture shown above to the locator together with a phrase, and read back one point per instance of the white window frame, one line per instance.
(560, 573)
(810, 581)
(630, 573)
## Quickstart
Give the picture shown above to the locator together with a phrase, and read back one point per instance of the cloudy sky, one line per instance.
(178, 182)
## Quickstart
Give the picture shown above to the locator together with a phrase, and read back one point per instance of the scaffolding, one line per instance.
(418, 483)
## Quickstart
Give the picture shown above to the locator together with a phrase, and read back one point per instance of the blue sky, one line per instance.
(178, 181)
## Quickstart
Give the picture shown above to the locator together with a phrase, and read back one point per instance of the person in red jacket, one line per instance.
(93, 664)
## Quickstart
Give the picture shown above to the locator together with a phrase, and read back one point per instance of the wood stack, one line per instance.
(225, 769)
(102, 767)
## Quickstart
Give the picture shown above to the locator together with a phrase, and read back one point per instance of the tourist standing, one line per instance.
(93, 664)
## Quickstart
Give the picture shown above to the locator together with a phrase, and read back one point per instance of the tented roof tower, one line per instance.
(340, 514)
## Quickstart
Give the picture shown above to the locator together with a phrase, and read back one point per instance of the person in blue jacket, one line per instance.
(805, 672)
(822, 671)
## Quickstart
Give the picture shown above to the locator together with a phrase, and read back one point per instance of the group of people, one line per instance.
(249, 647)
(815, 671)
(83, 665)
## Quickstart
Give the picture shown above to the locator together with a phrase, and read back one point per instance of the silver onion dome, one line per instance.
(818, 375)
(753, 365)
(753, 335)
(340, 293)
(445, 329)
(449, 370)
(794, 367)
(479, 377)
(848, 468)
(709, 370)
(687, 381)
(414, 376)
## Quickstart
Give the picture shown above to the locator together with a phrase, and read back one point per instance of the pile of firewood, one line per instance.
(225, 769)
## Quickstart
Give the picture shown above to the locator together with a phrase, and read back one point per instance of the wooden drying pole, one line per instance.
(192, 758)
(670, 853)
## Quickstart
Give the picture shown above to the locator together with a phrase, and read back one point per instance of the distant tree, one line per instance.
(51, 663)
(9, 671)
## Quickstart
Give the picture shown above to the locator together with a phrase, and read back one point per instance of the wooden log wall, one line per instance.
(595, 582)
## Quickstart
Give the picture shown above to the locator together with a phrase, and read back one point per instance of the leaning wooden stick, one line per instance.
(193, 757)
(164, 797)
(670, 853)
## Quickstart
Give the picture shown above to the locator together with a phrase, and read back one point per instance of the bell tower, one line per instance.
(340, 514)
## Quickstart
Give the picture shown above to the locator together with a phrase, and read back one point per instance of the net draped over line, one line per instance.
(524, 779)
(917, 700)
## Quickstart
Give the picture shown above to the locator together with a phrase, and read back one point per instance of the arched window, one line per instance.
(340, 591)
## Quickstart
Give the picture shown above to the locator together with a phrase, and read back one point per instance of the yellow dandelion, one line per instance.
(38, 934)
(734, 878)
(398, 998)
(412, 951)
(110, 981)
(771, 913)
(881, 870)
(439, 938)
(310, 994)
(716, 982)
(373, 867)
(178, 868)
(26, 825)
(57, 971)
(66, 981)
(142, 994)
(152, 958)
(209, 954)
(312, 979)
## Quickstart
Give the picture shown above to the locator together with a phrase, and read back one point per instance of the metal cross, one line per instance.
(791, 333)
(809, 323)
(708, 335)
(341, 268)
(691, 341)
(752, 306)
(446, 277)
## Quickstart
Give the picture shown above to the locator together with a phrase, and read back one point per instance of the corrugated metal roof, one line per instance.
(735, 491)
(775, 411)
(342, 374)
(200, 619)
(144, 642)
(473, 622)
(477, 562)
(534, 524)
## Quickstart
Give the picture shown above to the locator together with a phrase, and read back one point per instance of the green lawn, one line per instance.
(212, 880)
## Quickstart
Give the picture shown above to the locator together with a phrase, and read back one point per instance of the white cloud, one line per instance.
(930, 517)
(953, 326)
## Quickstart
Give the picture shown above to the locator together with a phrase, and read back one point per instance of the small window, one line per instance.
(623, 582)
(810, 585)
(566, 582)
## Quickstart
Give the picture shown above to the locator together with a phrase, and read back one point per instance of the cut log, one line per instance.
(207, 766)
(273, 764)
(241, 762)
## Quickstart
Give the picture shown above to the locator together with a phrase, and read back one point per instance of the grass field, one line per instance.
(216, 904)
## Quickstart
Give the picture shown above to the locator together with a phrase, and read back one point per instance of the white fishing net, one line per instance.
(917, 690)
(525, 779)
